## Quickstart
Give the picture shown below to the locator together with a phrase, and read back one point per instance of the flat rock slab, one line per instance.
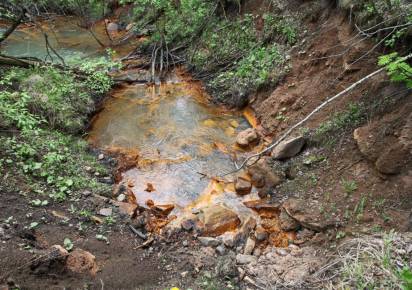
(288, 148)
(308, 214)
(264, 208)
(218, 219)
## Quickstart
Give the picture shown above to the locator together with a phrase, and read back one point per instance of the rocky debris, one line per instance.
(52, 260)
(106, 211)
(132, 76)
(228, 240)
(242, 259)
(304, 235)
(308, 213)
(263, 177)
(164, 209)
(260, 234)
(221, 250)
(247, 137)
(288, 148)
(386, 143)
(287, 223)
(249, 224)
(218, 219)
(188, 224)
(264, 208)
(126, 208)
(288, 267)
(208, 241)
(242, 186)
(249, 246)
(121, 198)
(80, 261)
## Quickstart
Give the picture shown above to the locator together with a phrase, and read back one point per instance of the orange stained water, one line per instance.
(183, 141)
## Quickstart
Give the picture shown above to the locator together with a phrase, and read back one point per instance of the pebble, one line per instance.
(221, 250)
(185, 243)
(100, 157)
(121, 197)
(106, 211)
(208, 241)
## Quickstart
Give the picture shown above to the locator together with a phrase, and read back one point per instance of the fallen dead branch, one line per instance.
(256, 157)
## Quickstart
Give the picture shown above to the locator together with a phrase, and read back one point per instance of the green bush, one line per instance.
(36, 154)
(261, 66)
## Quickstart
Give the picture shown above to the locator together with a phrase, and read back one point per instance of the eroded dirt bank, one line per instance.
(347, 176)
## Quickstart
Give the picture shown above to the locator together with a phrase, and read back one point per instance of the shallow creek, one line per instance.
(182, 140)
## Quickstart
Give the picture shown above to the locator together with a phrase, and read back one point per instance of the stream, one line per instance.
(182, 140)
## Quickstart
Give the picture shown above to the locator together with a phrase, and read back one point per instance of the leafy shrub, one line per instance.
(397, 68)
(261, 66)
(47, 160)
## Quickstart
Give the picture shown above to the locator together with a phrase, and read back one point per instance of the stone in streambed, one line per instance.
(242, 186)
(218, 219)
(247, 137)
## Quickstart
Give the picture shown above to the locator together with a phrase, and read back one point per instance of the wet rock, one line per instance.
(126, 208)
(249, 246)
(263, 177)
(261, 234)
(164, 209)
(308, 213)
(218, 219)
(288, 148)
(208, 241)
(80, 261)
(264, 208)
(245, 259)
(106, 211)
(53, 260)
(242, 186)
(258, 179)
(247, 137)
(287, 223)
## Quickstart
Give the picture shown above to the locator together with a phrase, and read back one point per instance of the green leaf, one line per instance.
(68, 244)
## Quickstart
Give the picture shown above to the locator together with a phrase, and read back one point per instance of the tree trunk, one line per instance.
(12, 27)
